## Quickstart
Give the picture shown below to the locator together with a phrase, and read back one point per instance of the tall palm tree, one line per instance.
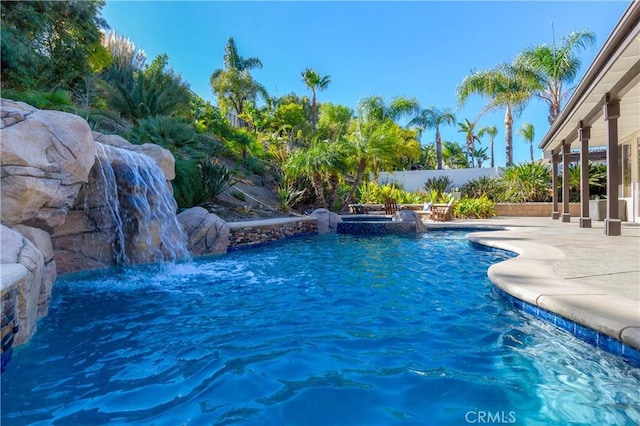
(232, 60)
(235, 88)
(556, 65)
(315, 82)
(432, 118)
(506, 86)
(469, 129)
(492, 131)
(528, 134)
(375, 109)
(233, 85)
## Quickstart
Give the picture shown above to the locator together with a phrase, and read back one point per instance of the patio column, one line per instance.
(566, 216)
(612, 224)
(584, 134)
(555, 214)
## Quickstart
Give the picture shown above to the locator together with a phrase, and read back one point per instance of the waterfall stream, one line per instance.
(131, 202)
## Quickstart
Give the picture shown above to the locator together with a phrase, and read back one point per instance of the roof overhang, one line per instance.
(615, 71)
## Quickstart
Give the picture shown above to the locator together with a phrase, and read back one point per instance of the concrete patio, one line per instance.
(580, 274)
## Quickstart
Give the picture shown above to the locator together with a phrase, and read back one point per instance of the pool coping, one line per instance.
(606, 320)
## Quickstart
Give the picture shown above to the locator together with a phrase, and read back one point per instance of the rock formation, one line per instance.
(206, 232)
(58, 214)
(327, 220)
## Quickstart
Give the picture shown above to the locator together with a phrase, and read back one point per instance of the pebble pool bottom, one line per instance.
(325, 330)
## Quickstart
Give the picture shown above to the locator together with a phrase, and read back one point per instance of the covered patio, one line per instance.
(604, 112)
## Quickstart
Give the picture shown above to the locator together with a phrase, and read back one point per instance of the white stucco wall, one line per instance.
(414, 180)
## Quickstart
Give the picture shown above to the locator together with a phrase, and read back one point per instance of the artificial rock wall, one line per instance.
(46, 158)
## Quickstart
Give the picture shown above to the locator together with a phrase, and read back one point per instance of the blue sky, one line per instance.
(420, 49)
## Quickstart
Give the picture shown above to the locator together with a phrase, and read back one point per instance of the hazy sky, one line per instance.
(420, 49)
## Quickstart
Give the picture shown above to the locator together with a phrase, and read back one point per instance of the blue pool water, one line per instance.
(319, 330)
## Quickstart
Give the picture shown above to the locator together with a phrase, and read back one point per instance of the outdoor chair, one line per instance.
(442, 212)
(390, 206)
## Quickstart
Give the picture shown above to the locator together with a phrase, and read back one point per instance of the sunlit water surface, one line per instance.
(320, 330)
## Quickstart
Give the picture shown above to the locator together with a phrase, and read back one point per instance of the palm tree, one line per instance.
(469, 128)
(375, 109)
(233, 85)
(453, 155)
(232, 60)
(372, 139)
(528, 134)
(432, 118)
(235, 88)
(481, 156)
(556, 65)
(322, 161)
(315, 82)
(492, 131)
(428, 157)
(506, 86)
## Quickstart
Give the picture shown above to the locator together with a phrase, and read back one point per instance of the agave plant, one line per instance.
(439, 184)
(288, 196)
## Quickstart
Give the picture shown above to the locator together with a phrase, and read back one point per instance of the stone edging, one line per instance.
(252, 234)
(530, 281)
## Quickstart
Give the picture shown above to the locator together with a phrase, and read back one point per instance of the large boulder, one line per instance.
(45, 156)
(160, 155)
(42, 241)
(206, 232)
(16, 248)
(327, 221)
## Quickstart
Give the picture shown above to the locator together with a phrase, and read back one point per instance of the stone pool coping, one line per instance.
(563, 272)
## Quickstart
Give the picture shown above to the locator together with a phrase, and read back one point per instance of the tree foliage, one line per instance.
(554, 66)
(506, 86)
(433, 118)
(315, 82)
(49, 44)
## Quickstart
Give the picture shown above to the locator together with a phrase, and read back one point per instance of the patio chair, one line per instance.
(442, 212)
(390, 206)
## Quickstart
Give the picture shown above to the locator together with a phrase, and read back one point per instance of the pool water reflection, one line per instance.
(318, 330)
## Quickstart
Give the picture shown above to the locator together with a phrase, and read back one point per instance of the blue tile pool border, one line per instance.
(598, 339)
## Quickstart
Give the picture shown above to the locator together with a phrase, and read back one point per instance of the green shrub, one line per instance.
(526, 182)
(197, 182)
(441, 184)
(171, 133)
(484, 185)
(374, 193)
(474, 208)
(288, 196)
(436, 197)
(597, 181)
(58, 100)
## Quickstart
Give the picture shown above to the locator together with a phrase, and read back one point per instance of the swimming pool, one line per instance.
(320, 330)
